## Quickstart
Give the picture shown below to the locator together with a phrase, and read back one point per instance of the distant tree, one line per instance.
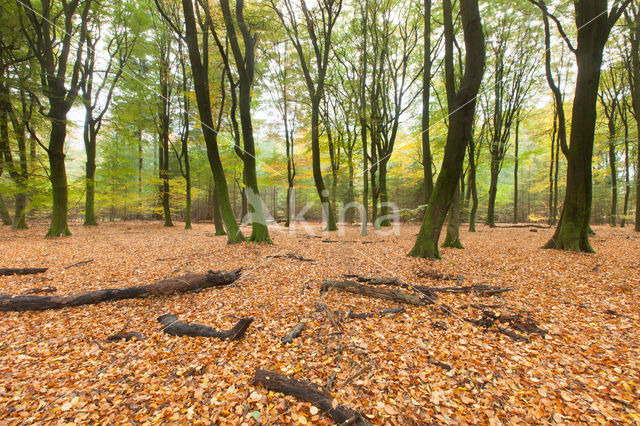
(318, 26)
(610, 95)
(512, 68)
(98, 87)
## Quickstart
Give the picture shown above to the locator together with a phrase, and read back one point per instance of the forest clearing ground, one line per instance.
(56, 365)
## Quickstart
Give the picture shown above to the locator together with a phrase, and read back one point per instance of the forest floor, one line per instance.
(55, 366)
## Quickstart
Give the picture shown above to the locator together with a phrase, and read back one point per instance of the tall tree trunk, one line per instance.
(626, 174)
(426, 91)
(363, 121)
(572, 232)
(515, 174)
(245, 62)
(614, 178)
(462, 111)
(329, 216)
(90, 170)
(140, 168)
(473, 188)
(552, 216)
(493, 191)
(384, 195)
(58, 176)
(201, 86)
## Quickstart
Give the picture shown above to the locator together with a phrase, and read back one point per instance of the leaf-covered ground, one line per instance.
(56, 365)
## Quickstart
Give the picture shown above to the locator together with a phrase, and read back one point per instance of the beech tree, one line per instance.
(57, 36)
(199, 68)
(594, 22)
(462, 104)
(245, 65)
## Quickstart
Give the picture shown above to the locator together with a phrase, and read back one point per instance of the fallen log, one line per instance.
(191, 282)
(21, 271)
(379, 293)
(309, 392)
(175, 327)
(295, 332)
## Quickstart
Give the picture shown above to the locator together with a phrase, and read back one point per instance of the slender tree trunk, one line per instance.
(259, 229)
(384, 195)
(614, 179)
(462, 110)
(327, 210)
(363, 121)
(626, 174)
(350, 187)
(58, 177)
(493, 191)
(556, 181)
(473, 188)
(426, 91)
(201, 86)
(637, 227)
(515, 174)
(552, 215)
(187, 176)
(90, 172)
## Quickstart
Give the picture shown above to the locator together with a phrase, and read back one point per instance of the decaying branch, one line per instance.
(21, 271)
(309, 392)
(191, 282)
(294, 333)
(173, 326)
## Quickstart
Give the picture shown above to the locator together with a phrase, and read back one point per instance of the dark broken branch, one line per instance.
(84, 262)
(21, 271)
(442, 365)
(380, 293)
(309, 392)
(173, 326)
(165, 287)
(291, 256)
